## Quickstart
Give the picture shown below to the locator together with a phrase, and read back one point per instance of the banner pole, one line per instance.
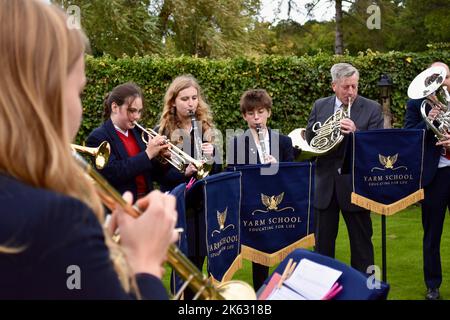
(383, 247)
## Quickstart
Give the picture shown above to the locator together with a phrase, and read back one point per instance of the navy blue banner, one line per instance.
(276, 210)
(221, 196)
(387, 169)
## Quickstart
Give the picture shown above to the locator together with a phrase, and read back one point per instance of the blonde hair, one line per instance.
(170, 121)
(37, 53)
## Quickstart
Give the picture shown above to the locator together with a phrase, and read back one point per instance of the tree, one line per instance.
(423, 22)
(339, 37)
(206, 28)
(360, 36)
(117, 27)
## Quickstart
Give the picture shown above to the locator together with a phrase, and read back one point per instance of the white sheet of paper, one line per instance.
(312, 280)
(284, 293)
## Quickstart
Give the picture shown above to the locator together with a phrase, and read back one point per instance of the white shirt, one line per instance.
(125, 133)
(443, 161)
(337, 104)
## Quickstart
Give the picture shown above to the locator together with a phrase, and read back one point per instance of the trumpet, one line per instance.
(100, 154)
(178, 158)
(194, 278)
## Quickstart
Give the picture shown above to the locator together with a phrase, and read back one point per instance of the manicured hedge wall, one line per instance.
(293, 82)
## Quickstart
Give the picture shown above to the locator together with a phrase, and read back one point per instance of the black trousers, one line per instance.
(434, 207)
(260, 274)
(359, 226)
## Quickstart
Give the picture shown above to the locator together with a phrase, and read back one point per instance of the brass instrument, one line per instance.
(428, 85)
(100, 154)
(203, 286)
(260, 133)
(328, 135)
(178, 158)
(198, 153)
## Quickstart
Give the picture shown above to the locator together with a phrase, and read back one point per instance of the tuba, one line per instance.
(178, 158)
(204, 288)
(428, 85)
(100, 154)
(327, 135)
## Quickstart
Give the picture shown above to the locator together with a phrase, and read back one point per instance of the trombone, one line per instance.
(203, 286)
(178, 158)
(100, 154)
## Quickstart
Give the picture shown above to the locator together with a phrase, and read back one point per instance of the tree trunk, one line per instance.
(339, 42)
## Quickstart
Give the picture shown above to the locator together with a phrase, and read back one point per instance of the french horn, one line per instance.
(327, 135)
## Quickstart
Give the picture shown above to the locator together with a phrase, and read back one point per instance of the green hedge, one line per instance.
(293, 82)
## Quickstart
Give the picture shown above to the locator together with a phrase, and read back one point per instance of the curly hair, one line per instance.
(170, 121)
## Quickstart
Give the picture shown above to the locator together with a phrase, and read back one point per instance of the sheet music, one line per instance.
(312, 280)
(285, 293)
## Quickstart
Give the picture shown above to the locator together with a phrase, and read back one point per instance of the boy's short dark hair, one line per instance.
(255, 98)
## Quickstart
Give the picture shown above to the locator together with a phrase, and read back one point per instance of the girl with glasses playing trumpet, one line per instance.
(130, 166)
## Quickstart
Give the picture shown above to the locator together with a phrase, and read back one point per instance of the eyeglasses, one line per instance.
(135, 111)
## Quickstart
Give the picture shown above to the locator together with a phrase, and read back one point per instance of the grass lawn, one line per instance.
(403, 251)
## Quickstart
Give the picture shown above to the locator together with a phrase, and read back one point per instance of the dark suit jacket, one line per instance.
(242, 149)
(366, 114)
(121, 170)
(56, 232)
(414, 120)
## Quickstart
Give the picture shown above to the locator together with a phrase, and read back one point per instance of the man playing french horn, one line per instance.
(330, 118)
(436, 164)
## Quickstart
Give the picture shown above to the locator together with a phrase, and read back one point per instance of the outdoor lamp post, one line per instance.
(385, 85)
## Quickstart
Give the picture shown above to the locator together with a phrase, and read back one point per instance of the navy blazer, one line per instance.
(414, 120)
(366, 114)
(57, 234)
(121, 170)
(242, 149)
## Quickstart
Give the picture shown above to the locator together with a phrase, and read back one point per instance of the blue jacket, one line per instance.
(249, 153)
(57, 235)
(414, 120)
(121, 170)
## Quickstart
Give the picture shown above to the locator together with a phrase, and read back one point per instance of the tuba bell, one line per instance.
(428, 85)
(100, 154)
(327, 135)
